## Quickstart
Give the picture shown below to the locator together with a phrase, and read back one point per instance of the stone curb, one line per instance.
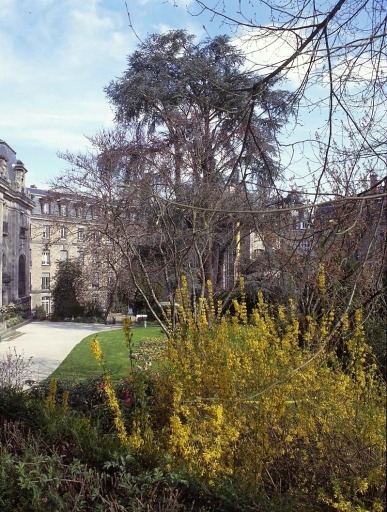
(10, 330)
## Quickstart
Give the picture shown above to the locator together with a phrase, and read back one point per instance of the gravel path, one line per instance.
(46, 343)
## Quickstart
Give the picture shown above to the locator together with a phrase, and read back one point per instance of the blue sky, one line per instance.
(55, 59)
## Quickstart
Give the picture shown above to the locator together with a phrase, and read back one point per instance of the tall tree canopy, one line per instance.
(199, 135)
(187, 143)
(196, 146)
(193, 99)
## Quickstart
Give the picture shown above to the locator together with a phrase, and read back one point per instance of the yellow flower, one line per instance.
(97, 351)
(65, 399)
(51, 398)
(110, 393)
(321, 278)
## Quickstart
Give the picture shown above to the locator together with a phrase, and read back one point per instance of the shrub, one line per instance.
(12, 310)
(14, 370)
(8, 311)
(376, 330)
(15, 320)
(273, 410)
(93, 310)
(259, 413)
(239, 413)
(35, 476)
(40, 313)
(42, 465)
(66, 290)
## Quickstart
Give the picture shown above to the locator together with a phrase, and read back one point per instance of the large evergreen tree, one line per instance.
(194, 99)
(188, 108)
(185, 149)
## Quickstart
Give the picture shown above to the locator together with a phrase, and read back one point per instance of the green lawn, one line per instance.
(80, 363)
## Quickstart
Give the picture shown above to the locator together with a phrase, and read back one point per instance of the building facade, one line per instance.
(58, 233)
(65, 227)
(15, 210)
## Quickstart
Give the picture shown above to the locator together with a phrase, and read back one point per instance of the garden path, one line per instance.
(46, 344)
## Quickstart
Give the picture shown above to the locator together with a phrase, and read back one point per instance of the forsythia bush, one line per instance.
(256, 401)
(270, 409)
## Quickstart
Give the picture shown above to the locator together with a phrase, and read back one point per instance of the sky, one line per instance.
(56, 57)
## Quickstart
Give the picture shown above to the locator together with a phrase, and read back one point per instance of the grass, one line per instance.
(80, 364)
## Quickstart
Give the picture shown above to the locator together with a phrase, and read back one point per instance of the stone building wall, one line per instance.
(15, 211)
(62, 228)
(56, 235)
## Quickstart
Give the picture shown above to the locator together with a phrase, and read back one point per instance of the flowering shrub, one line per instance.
(275, 409)
(133, 396)
(269, 408)
(7, 312)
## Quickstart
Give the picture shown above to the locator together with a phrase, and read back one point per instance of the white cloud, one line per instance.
(55, 60)
(56, 57)
(267, 49)
(354, 72)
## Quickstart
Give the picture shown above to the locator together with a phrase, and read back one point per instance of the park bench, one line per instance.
(141, 317)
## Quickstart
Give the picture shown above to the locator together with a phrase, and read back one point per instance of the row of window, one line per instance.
(46, 282)
(63, 233)
(46, 303)
(64, 210)
(63, 256)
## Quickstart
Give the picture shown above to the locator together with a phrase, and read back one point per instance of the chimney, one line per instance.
(373, 179)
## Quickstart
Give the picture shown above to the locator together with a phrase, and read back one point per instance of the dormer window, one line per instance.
(20, 172)
(45, 207)
(63, 210)
(3, 166)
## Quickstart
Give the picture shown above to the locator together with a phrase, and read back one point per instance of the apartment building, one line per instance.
(59, 226)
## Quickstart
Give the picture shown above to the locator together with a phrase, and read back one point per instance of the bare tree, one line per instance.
(193, 168)
(333, 55)
(162, 179)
